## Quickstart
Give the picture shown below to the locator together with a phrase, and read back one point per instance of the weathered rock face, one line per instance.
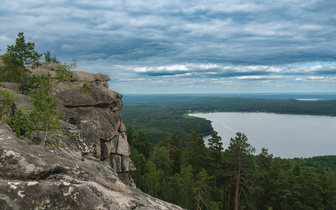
(34, 177)
(93, 171)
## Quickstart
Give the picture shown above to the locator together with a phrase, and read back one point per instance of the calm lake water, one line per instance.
(284, 136)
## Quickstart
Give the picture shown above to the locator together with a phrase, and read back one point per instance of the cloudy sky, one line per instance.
(200, 46)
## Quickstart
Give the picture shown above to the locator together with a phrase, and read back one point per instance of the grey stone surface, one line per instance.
(42, 72)
(72, 97)
(36, 177)
(81, 76)
(52, 66)
(123, 146)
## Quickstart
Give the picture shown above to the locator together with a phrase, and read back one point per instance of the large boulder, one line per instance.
(81, 76)
(96, 97)
(42, 72)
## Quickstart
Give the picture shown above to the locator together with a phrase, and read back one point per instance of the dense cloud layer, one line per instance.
(186, 46)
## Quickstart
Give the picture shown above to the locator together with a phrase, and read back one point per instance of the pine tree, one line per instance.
(10, 72)
(151, 179)
(140, 162)
(240, 161)
(130, 135)
(202, 189)
(196, 152)
(215, 156)
(187, 183)
(264, 163)
(141, 144)
(330, 192)
(161, 160)
(174, 152)
(23, 54)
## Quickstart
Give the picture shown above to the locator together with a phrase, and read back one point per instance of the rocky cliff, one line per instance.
(93, 170)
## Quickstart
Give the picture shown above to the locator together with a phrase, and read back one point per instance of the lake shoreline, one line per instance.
(289, 113)
(292, 137)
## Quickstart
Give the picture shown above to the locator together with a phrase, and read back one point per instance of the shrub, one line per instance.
(63, 74)
(6, 104)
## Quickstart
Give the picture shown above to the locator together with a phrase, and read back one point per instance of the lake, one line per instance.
(284, 135)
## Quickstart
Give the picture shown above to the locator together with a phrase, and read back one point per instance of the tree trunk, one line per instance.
(45, 138)
(22, 75)
(8, 74)
(229, 198)
(22, 72)
(237, 190)
(198, 199)
(224, 198)
(215, 181)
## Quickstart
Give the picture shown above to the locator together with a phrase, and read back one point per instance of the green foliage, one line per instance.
(161, 115)
(239, 164)
(22, 53)
(151, 179)
(10, 72)
(6, 104)
(39, 177)
(63, 73)
(174, 152)
(130, 135)
(202, 189)
(139, 161)
(188, 186)
(264, 182)
(160, 158)
(141, 144)
(42, 117)
(44, 113)
(98, 168)
(49, 59)
(15, 118)
(215, 156)
(20, 124)
(196, 153)
(160, 121)
(32, 83)
(86, 88)
(328, 162)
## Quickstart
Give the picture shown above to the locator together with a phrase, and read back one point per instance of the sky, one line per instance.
(199, 46)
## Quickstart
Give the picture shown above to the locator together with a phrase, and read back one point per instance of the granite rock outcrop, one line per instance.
(93, 170)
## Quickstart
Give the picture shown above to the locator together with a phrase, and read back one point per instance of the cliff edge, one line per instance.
(92, 171)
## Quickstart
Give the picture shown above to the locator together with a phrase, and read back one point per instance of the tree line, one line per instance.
(200, 177)
(159, 122)
(160, 115)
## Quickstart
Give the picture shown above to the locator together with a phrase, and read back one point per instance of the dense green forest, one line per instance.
(200, 177)
(178, 167)
(159, 122)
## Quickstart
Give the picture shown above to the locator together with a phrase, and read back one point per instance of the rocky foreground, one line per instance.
(93, 170)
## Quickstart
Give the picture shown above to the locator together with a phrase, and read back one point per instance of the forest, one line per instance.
(180, 168)
(203, 176)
